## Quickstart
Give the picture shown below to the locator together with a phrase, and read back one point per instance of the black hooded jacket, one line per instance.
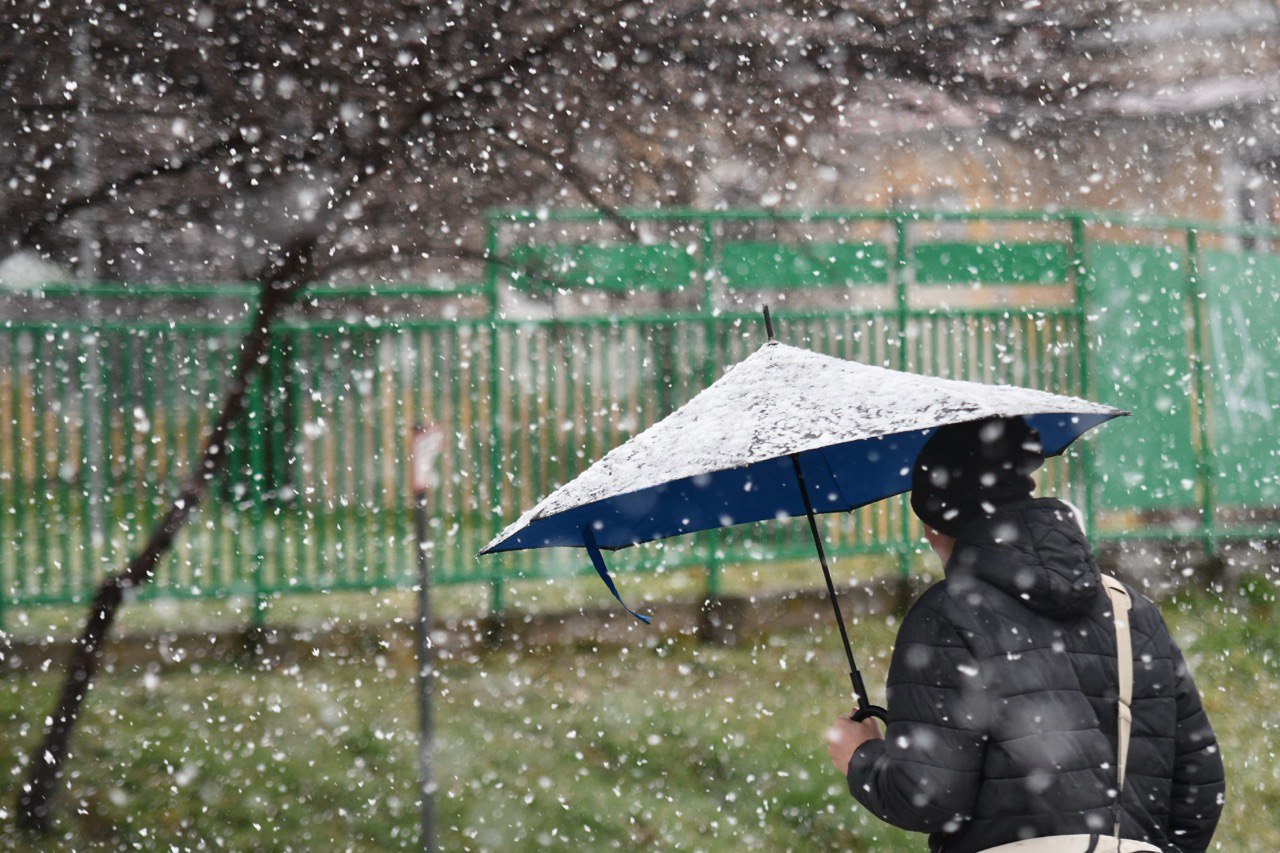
(1002, 703)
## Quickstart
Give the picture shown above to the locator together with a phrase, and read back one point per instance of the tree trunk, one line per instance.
(278, 288)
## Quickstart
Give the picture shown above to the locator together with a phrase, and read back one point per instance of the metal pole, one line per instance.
(1079, 262)
(710, 327)
(865, 708)
(427, 444)
(1197, 304)
(902, 296)
(493, 288)
(426, 675)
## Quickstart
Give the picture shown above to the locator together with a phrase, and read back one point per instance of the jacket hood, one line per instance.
(1036, 553)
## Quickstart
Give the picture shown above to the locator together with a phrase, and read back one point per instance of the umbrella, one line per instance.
(783, 433)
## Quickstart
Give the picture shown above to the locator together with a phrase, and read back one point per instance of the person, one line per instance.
(1002, 688)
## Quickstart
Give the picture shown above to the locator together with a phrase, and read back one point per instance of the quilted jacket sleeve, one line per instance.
(924, 775)
(1199, 783)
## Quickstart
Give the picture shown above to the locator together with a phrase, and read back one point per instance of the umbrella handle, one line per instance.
(865, 708)
(871, 711)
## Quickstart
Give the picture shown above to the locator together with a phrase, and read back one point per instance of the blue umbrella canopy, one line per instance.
(725, 457)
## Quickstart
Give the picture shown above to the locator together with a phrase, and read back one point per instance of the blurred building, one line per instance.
(1191, 131)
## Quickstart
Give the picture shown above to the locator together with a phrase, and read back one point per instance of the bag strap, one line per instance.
(1120, 605)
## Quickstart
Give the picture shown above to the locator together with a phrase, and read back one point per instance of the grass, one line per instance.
(659, 744)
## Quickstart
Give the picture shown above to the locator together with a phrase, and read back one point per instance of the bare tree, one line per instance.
(231, 121)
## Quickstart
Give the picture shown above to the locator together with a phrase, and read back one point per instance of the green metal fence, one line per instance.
(583, 334)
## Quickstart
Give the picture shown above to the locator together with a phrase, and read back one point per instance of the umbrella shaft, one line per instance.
(855, 677)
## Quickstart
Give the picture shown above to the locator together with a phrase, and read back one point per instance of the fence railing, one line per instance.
(100, 418)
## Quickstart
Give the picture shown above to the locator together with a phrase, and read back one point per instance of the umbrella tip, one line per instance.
(768, 323)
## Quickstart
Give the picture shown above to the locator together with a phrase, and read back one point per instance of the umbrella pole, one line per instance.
(865, 708)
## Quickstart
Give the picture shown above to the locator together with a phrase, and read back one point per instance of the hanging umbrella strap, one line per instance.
(597, 560)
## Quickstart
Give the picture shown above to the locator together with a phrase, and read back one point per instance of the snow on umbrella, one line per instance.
(785, 432)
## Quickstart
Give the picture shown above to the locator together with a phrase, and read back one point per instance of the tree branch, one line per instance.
(32, 229)
(375, 254)
(581, 182)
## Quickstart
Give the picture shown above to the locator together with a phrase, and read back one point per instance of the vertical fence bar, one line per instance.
(901, 295)
(377, 450)
(1197, 304)
(10, 519)
(11, 528)
(285, 496)
(22, 492)
(490, 527)
(89, 480)
(61, 476)
(255, 430)
(151, 487)
(310, 498)
(10, 462)
(204, 545)
(1080, 269)
(373, 555)
(358, 399)
(450, 367)
(402, 420)
(108, 416)
(707, 269)
(175, 462)
(40, 483)
(340, 437)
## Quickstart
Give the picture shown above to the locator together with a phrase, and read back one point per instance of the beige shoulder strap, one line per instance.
(1120, 605)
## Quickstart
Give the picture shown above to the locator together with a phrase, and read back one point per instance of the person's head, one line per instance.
(969, 470)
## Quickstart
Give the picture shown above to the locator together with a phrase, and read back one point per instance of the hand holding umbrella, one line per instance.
(846, 734)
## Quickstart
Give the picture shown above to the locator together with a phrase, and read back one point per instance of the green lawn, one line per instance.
(665, 744)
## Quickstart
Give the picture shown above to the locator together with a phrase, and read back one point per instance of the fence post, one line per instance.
(1197, 303)
(707, 269)
(1080, 269)
(901, 283)
(497, 578)
(11, 490)
(255, 428)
